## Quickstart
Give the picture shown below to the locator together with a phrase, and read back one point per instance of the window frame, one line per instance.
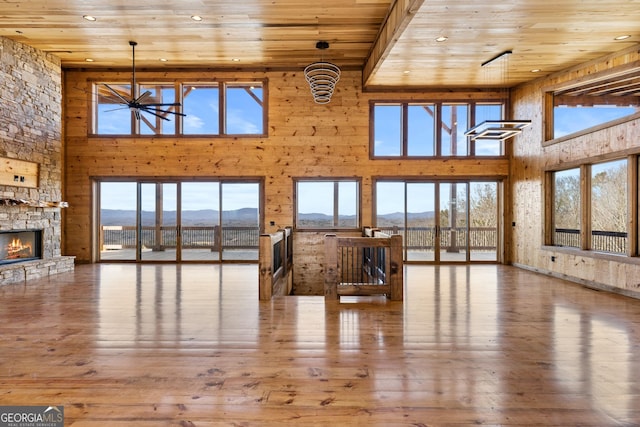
(176, 121)
(632, 211)
(605, 77)
(336, 208)
(404, 105)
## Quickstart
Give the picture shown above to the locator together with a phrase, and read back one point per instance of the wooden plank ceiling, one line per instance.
(392, 41)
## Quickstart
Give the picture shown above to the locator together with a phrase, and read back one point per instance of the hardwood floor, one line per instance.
(191, 345)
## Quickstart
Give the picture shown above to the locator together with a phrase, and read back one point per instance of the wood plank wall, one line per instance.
(304, 140)
(531, 159)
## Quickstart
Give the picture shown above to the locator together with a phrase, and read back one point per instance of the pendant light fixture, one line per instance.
(322, 77)
(497, 129)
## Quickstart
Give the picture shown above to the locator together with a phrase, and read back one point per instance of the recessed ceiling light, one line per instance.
(89, 17)
(536, 70)
(442, 39)
(88, 60)
(235, 59)
(406, 72)
(163, 60)
(196, 18)
(624, 37)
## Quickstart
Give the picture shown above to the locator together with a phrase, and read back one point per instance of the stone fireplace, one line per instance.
(30, 165)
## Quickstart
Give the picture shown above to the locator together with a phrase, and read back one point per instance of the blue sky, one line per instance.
(195, 195)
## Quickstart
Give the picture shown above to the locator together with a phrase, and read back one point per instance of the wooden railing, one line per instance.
(369, 265)
(215, 237)
(275, 262)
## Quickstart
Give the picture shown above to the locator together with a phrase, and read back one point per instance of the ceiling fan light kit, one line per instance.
(322, 77)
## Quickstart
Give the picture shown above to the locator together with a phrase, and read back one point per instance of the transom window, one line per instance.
(327, 204)
(431, 129)
(603, 99)
(217, 108)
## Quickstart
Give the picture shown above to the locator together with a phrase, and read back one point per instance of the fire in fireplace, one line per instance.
(20, 245)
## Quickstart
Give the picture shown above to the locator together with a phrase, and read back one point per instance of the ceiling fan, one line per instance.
(137, 104)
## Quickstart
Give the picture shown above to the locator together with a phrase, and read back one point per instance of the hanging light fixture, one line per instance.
(322, 77)
(497, 129)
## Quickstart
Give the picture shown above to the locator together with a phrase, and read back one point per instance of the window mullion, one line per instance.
(336, 208)
(585, 196)
(222, 117)
(472, 119)
(405, 130)
(437, 124)
(632, 207)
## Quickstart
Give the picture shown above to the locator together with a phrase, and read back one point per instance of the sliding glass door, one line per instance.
(239, 221)
(441, 221)
(203, 221)
(158, 230)
(200, 221)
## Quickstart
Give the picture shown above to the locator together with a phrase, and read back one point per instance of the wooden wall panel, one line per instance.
(305, 140)
(531, 159)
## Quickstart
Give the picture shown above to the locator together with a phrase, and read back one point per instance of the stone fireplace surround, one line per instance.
(31, 131)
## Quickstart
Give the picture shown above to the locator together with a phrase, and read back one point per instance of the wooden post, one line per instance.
(265, 261)
(330, 267)
(396, 276)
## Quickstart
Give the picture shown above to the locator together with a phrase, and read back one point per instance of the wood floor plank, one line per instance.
(191, 345)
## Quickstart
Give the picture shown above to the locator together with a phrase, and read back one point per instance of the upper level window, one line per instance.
(213, 108)
(604, 98)
(426, 129)
(327, 204)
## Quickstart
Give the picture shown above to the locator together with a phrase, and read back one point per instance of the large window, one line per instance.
(429, 129)
(598, 195)
(456, 221)
(327, 204)
(174, 220)
(215, 108)
(606, 97)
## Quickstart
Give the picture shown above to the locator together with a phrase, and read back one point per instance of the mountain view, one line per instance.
(207, 217)
(245, 217)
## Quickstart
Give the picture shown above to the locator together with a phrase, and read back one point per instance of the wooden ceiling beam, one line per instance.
(400, 15)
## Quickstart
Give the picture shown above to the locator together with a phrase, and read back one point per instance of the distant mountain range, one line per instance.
(204, 217)
(238, 218)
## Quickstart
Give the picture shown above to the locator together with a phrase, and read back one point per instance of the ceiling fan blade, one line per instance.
(171, 104)
(143, 96)
(175, 113)
(124, 107)
(115, 92)
(154, 112)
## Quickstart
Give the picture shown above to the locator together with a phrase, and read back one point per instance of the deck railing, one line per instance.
(605, 241)
(480, 238)
(275, 262)
(369, 265)
(192, 237)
